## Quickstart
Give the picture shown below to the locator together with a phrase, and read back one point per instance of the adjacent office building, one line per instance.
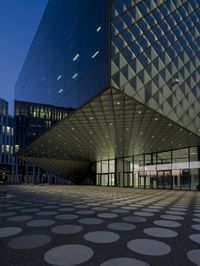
(130, 71)
(32, 120)
(6, 143)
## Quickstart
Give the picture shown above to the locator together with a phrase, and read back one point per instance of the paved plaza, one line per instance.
(83, 225)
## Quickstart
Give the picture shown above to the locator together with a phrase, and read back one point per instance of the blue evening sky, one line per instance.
(19, 20)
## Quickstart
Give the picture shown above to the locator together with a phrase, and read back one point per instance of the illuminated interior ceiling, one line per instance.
(111, 125)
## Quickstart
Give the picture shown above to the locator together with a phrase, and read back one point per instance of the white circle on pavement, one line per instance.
(91, 221)
(194, 256)
(101, 237)
(66, 216)
(134, 219)
(66, 209)
(121, 226)
(196, 220)
(16, 208)
(196, 227)
(40, 223)
(107, 215)
(20, 218)
(50, 207)
(119, 211)
(9, 231)
(148, 247)
(145, 214)
(124, 262)
(7, 214)
(67, 255)
(195, 238)
(29, 241)
(99, 209)
(160, 232)
(150, 210)
(47, 213)
(167, 223)
(30, 210)
(67, 229)
(85, 212)
(171, 217)
(175, 212)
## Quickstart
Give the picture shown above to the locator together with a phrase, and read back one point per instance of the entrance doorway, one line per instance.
(165, 179)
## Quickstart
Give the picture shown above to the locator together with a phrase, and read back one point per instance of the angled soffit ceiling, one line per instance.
(111, 125)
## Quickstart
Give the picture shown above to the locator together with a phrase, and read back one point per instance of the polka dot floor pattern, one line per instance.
(87, 225)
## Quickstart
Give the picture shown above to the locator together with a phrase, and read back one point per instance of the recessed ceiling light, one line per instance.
(110, 124)
(153, 137)
(181, 129)
(99, 28)
(156, 118)
(72, 128)
(118, 103)
(169, 125)
(59, 77)
(95, 54)
(91, 118)
(75, 76)
(76, 57)
(139, 112)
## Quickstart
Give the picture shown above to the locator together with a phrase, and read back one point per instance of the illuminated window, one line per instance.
(16, 148)
(8, 130)
(2, 148)
(7, 148)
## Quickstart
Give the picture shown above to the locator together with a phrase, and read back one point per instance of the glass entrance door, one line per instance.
(111, 179)
(128, 179)
(164, 179)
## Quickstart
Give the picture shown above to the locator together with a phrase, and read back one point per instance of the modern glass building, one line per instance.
(130, 70)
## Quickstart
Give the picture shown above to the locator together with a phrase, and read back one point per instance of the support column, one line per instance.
(115, 171)
(198, 157)
(172, 178)
(33, 174)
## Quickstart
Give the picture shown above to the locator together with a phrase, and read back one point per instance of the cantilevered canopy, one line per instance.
(111, 125)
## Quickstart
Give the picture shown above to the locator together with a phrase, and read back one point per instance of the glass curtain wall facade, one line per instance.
(174, 169)
(68, 62)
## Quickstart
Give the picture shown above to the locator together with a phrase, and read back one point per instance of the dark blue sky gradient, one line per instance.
(19, 20)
